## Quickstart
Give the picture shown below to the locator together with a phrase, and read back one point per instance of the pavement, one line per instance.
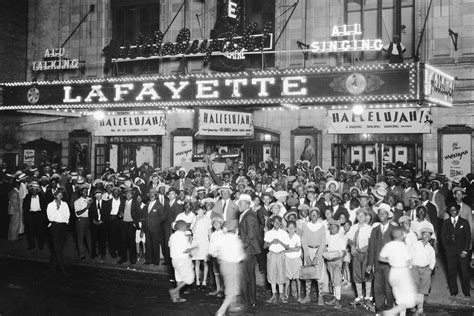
(31, 288)
(151, 281)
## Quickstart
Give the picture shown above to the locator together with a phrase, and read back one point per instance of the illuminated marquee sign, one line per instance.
(375, 83)
(439, 86)
(346, 45)
(55, 59)
(232, 9)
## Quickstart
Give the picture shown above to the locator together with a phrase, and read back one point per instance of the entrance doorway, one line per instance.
(379, 150)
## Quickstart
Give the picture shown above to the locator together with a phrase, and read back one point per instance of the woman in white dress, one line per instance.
(201, 234)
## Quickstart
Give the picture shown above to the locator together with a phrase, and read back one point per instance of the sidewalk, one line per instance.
(439, 289)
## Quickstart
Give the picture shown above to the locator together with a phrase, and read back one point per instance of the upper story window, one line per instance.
(383, 19)
(129, 19)
(261, 11)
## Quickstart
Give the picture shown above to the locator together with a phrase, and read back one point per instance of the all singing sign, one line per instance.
(215, 123)
(132, 124)
(383, 121)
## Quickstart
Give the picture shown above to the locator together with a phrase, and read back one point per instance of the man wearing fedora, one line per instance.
(456, 241)
(425, 200)
(128, 214)
(182, 183)
(98, 222)
(379, 236)
(81, 209)
(464, 209)
(155, 219)
(34, 215)
(226, 207)
(249, 233)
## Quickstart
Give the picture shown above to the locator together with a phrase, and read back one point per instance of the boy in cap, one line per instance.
(180, 248)
(336, 250)
(423, 262)
(358, 236)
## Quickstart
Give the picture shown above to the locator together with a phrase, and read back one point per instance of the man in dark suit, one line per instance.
(381, 235)
(129, 213)
(174, 209)
(98, 218)
(250, 234)
(225, 207)
(324, 202)
(155, 215)
(111, 209)
(456, 240)
(431, 212)
(34, 216)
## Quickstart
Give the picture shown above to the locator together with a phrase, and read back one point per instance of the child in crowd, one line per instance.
(408, 235)
(358, 236)
(201, 232)
(302, 218)
(276, 241)
(230, 252)
(180, 248)
(423, 262)
(346, 262)
(214, 240)
(293, 261)
(334, 254)
(396, 254)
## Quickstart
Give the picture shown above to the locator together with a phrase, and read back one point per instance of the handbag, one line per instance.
(309, 272)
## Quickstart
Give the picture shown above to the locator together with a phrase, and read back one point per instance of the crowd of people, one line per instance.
(351, 227)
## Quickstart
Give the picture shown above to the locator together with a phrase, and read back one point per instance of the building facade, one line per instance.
(306, 65)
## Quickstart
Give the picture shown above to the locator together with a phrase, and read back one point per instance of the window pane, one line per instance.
(354, 5)
(387, 25)
(408, 36)
(387, 3)
(370, 4)
(353, 18)
(370, 30)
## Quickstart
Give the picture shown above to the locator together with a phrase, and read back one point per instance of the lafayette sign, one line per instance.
(224, 123)
(389, 82)
(388, 121)
(130, 124)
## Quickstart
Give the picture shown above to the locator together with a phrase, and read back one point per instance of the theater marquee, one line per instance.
(327, 85)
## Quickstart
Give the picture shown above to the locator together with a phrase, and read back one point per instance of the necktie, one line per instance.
(223, 206)
(98, 211)
(161, 200)
(356, 239)
(454, 222)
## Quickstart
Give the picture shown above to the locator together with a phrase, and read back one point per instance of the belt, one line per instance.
(313, 247)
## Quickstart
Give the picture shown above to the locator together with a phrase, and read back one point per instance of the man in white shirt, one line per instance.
(58, 214)
(423, 261)
(81, 209)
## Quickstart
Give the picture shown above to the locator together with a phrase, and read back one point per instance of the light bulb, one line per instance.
(357, 109)
(99, 115)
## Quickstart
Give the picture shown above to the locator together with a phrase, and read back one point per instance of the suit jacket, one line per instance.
(456, 239)
(232, 210)
(134, 212)
(322, 207)
(432, 215)
(250, 234)
(376, 242)
(174, 210)
(27, 203)
(340, 210)
(93, 212)
(155, 217)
